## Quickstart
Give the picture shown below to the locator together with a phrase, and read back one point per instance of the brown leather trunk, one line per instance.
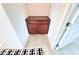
(38, 24)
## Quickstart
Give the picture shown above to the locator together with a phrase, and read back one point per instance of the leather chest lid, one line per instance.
(37, 18)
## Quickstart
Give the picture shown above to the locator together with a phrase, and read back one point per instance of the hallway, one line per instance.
(46, 32)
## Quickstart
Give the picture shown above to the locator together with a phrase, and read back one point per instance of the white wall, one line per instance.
(17, 17)
(8, 37)
(53, 15)
(38, 9)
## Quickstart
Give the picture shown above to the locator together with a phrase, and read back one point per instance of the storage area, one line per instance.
(38, 24)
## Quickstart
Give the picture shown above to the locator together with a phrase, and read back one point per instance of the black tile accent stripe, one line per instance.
(34, 51)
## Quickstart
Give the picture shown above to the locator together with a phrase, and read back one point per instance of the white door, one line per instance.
(70, 33)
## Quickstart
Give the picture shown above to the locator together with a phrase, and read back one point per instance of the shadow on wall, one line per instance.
(17, 19)
(8, 37)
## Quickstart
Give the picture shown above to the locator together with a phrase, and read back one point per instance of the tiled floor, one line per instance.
(39, 41)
